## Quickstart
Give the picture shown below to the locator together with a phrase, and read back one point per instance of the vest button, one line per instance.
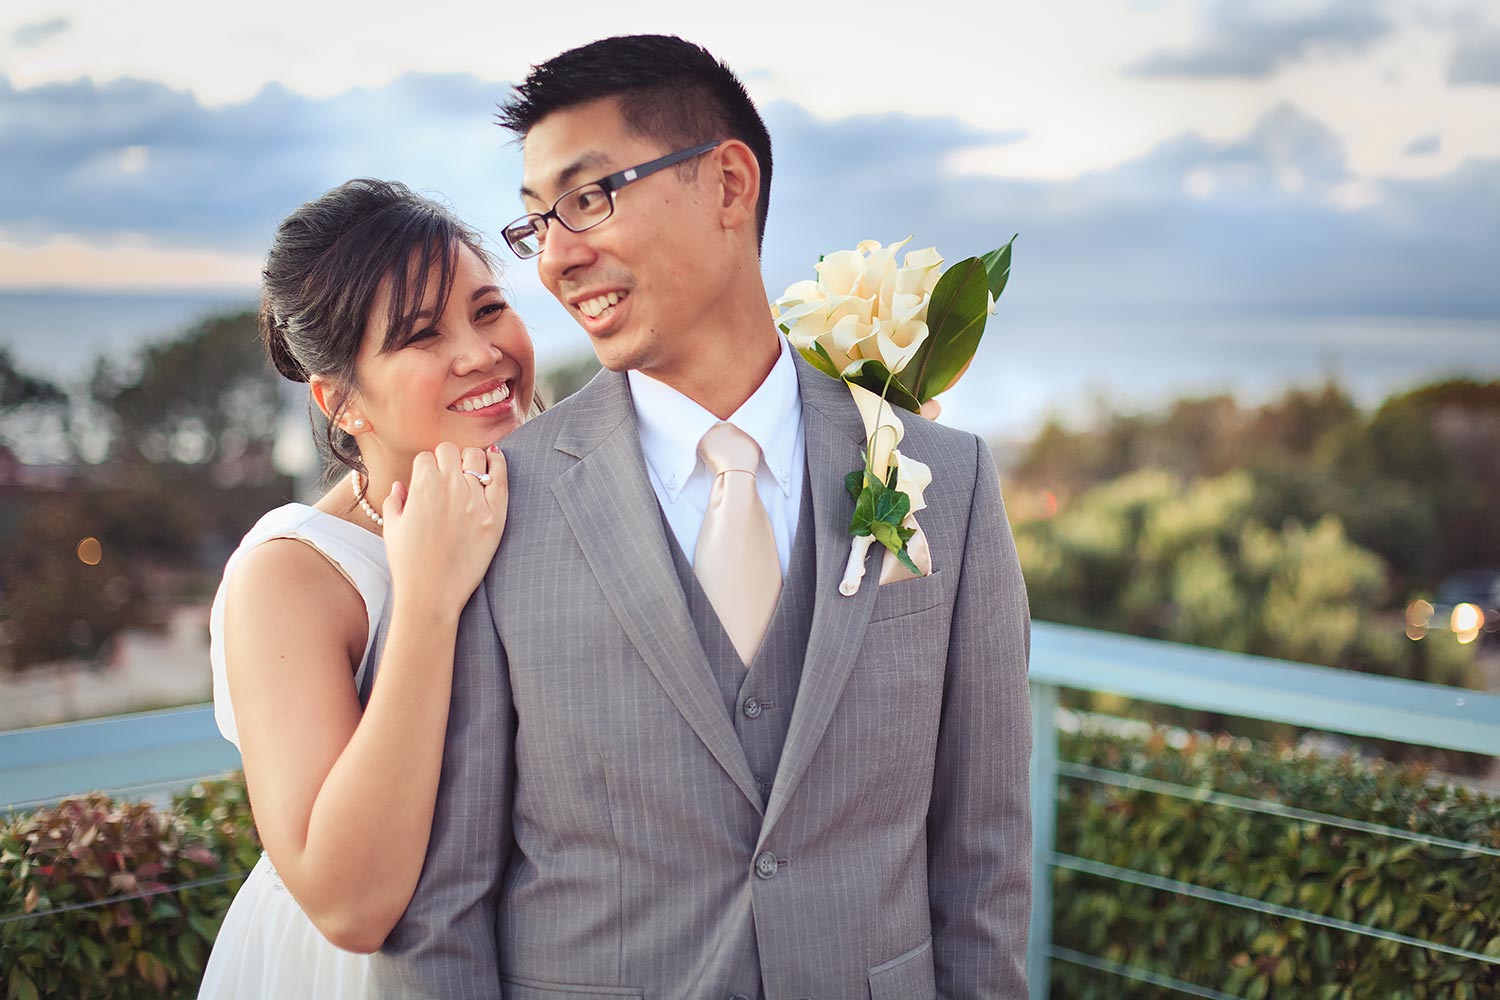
(765, 865)
(752, 708)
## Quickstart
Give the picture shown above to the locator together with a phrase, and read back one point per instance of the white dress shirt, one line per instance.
(671, 425)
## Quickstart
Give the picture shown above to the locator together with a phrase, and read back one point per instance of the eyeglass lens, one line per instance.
(579, 209)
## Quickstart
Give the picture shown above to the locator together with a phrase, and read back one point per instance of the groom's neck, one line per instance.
(726, 368)
(731, 353)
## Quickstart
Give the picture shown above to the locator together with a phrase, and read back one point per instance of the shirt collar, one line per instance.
(671, 424)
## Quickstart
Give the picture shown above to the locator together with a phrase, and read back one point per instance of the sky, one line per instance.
(1165, 161)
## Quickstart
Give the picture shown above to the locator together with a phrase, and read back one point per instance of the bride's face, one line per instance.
(465, 373)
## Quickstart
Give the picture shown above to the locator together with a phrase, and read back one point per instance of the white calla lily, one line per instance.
(883, 429)
(896, 344)
(862, 306)
(912, 478)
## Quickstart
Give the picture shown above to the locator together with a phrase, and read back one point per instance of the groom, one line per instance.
(680, 764)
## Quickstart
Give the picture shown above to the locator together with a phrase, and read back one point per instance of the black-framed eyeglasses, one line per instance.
(587, 205)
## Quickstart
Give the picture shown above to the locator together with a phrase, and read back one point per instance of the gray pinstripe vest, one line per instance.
(760, 700)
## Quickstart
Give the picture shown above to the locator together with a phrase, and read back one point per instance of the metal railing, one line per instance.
(1247, 687)
(159, 752)
(147, 755)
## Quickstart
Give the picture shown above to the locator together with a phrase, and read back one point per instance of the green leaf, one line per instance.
(93, 951)
(905, 557)
(189, 952)
(885, 533)
(892, 506)
(23, 988)
(204, 927)
(818, 357)
(997, 267)
(955, 321)
(864, 509)
(854, 482)
(872, 374)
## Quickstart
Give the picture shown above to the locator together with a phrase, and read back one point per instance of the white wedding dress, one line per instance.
(267, 947)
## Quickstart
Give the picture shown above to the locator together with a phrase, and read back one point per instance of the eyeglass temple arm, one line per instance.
(618, 180)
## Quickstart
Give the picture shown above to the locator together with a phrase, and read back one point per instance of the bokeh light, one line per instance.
(1466, 622)
(1418, 615)
(90, 552)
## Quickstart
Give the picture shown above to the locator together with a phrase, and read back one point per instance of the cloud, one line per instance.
(1476, 62)
(29, 36)
(1425, 145)
(1252, 41)
(1256, 225)
(135, 156)
(1271, 221)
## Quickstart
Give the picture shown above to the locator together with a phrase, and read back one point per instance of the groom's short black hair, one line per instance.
(670, 91)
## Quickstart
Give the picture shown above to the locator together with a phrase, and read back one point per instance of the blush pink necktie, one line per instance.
(736, 560)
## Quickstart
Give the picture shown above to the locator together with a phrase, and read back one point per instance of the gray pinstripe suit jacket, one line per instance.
(598, 825)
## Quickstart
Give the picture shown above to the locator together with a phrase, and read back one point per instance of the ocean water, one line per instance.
(1034, 365)
(1031, 365)
(60, 334)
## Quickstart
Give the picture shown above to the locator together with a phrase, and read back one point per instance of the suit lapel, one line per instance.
(608, 503)
(835, 437)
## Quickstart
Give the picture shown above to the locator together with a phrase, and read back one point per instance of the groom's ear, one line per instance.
(739, 180)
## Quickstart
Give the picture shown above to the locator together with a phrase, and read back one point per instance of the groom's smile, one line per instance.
(599, 312)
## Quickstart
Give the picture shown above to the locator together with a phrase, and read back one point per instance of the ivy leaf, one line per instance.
(854, 482)
(886, 534)
(864, 507)
(905, 556)
(892, 506)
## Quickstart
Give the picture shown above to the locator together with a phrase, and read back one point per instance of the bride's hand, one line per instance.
(441, 531)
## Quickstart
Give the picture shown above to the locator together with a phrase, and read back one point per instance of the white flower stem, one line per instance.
(854, 572)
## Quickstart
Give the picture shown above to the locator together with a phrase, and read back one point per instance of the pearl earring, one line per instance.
(358, 423)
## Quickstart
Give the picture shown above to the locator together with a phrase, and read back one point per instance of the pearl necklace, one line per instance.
(359, 496)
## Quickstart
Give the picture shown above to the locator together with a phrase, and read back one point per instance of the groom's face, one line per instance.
(644, 282)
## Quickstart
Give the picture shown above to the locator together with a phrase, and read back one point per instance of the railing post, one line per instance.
(1043, 835)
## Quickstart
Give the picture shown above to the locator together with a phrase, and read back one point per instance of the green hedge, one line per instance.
(91, 850)
(171, 874)
(1433, 893)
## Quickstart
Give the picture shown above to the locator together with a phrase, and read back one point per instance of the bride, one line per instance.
(387, 306)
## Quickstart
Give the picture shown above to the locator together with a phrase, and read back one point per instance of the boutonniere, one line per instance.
(897, 336)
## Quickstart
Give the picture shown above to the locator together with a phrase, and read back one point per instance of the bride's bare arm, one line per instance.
(344, 801)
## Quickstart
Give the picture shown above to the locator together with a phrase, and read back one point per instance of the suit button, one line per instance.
(752, 709)
(765, 865)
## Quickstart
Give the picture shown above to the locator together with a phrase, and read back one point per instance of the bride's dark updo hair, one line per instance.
(325, 267)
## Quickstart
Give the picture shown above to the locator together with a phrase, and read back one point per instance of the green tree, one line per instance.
(207, 396)
(33, 413)
(61, 597)
(1416, 481)
(561, 380)
(1190, 561)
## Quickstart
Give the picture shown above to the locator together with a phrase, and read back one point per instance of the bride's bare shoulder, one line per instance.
(292, 587)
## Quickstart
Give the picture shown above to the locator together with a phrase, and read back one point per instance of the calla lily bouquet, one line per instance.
(897, 336)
